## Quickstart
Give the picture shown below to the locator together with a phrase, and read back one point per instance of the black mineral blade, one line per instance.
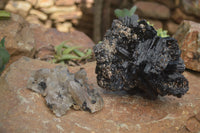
(132, 57)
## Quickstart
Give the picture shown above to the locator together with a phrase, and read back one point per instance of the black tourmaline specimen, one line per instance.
(132, 57)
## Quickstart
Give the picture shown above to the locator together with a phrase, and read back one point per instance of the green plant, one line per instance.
(125, 12)
(149, 23)
(4, 14)
(162, 33)
(4, 55)
(66, 53)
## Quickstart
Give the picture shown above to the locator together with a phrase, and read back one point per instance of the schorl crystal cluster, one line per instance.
(132, 57)
(63, 90)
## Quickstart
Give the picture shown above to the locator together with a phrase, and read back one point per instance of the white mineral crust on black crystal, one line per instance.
(132, 57)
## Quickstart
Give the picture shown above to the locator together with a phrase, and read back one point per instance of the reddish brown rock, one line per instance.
(19, 37)
(45, 53)
(152, 10)
(193, 125)
(23, 110)
(171, 27)
(198, 116)
(52, 37)
(191, 7)
(169, 3)
(178, 16)
(188, 37)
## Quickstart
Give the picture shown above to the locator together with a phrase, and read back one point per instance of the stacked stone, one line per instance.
(61, 14)
(66, 14)
(85, 23)
(168, 14)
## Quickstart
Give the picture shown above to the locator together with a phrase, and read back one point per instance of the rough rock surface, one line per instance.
(172, 27)
(191, 7)
(188, 37)
(64, 2)
(24, 111)
(64, 27)
(169, 3)
(39, 14)
(63, 90)
(32, 2)
(19, 7)
(45, 39)
(132, 57)
(63, 16)
(31, 40)
(55, 9)
(45, 3)
(152, 10)
(178, 16)
(19, 37)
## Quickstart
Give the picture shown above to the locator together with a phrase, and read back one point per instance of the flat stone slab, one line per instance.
(25, 111)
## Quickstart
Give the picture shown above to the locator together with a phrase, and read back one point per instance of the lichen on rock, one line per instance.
(132, 57)
(63, 90)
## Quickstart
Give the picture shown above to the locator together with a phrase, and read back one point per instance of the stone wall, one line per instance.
(66, 15)
(166, 14)
(61, 14)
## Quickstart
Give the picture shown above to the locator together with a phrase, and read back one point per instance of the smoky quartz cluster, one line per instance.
(64, 90)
